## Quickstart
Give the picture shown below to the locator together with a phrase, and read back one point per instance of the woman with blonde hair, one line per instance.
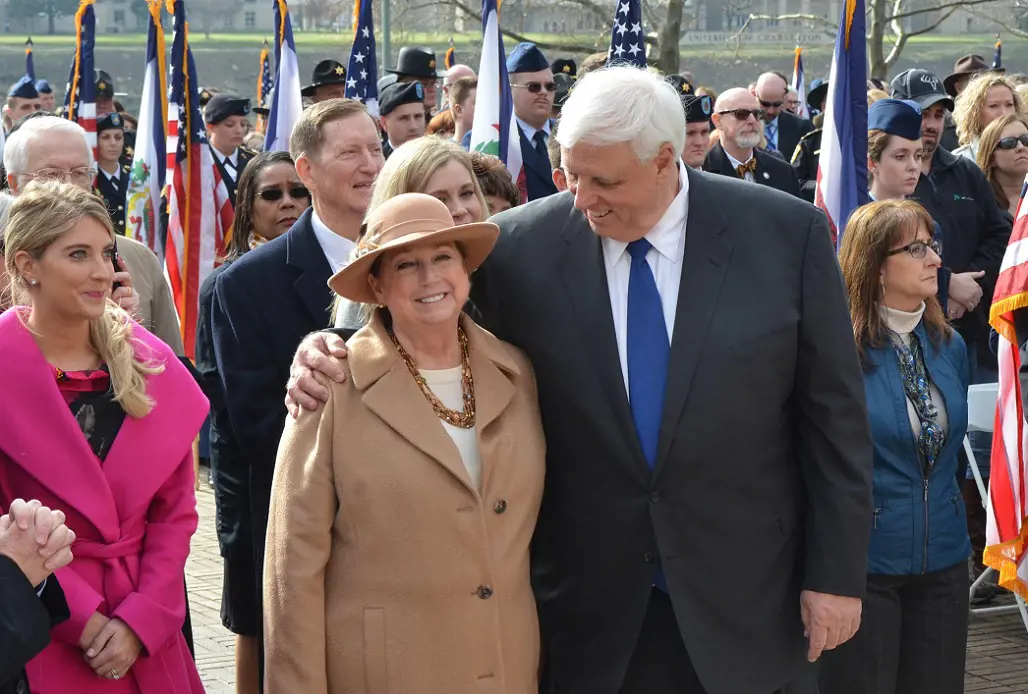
(1003, 157)
(99, 419)
(913, 631)
(986, 97)
(429, 165)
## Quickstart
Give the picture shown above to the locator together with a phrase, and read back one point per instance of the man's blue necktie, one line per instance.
(771, 133)
(648, 350)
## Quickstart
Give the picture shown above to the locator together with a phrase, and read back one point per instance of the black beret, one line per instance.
(398, 94)
(698, 109)
(222, 106)
(109, 121)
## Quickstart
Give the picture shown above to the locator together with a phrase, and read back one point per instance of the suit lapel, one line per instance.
(707, 253)
(304, 253)
(720, 163)
(584, 273)
(762, 175)
(531, 157)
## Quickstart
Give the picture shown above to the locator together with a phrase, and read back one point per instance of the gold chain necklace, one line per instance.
(464, 419)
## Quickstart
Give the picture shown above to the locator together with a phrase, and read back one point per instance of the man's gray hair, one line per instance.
(623, 104)
(16, 151)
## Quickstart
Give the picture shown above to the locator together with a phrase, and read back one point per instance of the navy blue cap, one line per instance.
(526, 57)
(698, 109)
(899, 117)
(398, 94)
(110, 121)
(24, 89)
(43, 87)
(222, 106)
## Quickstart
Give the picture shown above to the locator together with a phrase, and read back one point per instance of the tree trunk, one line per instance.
(876, 42)
(669, 54)
(50, 23)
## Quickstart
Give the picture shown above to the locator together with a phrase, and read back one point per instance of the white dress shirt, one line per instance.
(112, 177)
(233, 161)
(665, 259)
(337, 249)
(736, 164)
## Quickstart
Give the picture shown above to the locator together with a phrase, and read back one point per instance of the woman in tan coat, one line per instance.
(402, 510)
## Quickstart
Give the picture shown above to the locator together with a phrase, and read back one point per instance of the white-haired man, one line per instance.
(51, 147)
(708, 454)
(737, 152)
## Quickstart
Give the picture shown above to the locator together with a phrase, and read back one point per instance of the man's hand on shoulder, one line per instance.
(318, 361)
(828, 620)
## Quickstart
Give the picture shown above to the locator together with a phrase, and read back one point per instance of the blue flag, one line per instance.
(30, 69)
(361, 70)
(997, 58)
(626, 36)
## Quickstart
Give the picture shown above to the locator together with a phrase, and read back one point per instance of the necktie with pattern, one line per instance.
(750, 166)
(771, 133)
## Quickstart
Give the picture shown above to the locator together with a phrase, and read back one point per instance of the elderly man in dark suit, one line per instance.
(737, 153)
(272, 296)
(34, 542)
(782, 129)
(704, 526)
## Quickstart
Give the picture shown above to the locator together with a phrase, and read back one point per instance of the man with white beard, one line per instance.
(737, 117)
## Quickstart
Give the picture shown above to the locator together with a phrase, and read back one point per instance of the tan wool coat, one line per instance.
(386, 571)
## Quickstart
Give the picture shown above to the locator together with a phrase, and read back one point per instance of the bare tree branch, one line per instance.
(951, 7)
(572, 47)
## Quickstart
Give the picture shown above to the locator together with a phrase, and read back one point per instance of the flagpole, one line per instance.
(387, 23)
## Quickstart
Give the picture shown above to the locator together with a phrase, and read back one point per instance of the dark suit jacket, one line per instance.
(538, 173)
(25, 623)
(771, 171)
(763, 481)
(791, 130)
(263, 306)
(114, 196)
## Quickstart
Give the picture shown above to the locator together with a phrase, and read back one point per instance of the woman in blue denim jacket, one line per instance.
(914, 626)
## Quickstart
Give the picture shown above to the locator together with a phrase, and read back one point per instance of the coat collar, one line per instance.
(304, 253)
(390, 392)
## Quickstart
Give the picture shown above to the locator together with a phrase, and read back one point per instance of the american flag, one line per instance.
(80, 93)
(264, 82)
(30, 69)
(199, 211)
(361, 71)
(1007, 529)
(626, 36)
(842, 169)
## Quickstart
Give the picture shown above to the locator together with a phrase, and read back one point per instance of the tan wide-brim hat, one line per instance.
(407, 220)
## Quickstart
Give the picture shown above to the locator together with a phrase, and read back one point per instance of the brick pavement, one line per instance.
(997, 650)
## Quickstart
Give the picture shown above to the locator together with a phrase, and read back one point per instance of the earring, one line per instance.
(33, 283)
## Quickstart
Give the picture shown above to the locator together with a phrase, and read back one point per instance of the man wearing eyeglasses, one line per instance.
(782, 129)
(533, 89)
(51, 147)
(737, 153)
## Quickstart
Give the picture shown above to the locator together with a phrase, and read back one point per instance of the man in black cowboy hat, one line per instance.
(328, 82)
(401, 109)
(698, 110)
(807, 155)
(564, 66)
(964, 69)
(418, 65)
(104, 93)
(112, 178)
(226, 118)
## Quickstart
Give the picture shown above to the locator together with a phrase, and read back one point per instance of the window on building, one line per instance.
(250, 20)
(119, 17)
(229, 23)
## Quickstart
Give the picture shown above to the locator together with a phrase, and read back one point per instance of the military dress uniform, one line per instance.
(805, 160)
(113, 189)
(219, 108)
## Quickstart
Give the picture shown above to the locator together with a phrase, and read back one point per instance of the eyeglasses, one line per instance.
(82, 175)
(275, 194)
(1011, 142)
(771, 104)
(537, 87)
(744, 113)
(918, 249)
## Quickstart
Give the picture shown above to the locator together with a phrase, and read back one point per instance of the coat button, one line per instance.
(648, 557)
(484, 592)
(21, 688)
(500, 506)
(654, 497)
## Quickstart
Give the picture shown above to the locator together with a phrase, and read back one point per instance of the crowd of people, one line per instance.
(603, 428)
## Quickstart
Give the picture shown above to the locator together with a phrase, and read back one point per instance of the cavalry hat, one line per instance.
(325, 73)
(565, 66)
(43, 87)
(104, 84)
(109, 121)
(895, 116)
(24, 89)
(565, 83)
(415, 62)
(222, 106)
(526, 57)
(698, 109)
(967, 66)
(205, 96)
(682, 85)
(398, 94)
(403, 221)
(816, 95)
(922, 87)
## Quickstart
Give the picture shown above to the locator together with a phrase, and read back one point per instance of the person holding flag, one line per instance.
(225, 117)
(327, 82)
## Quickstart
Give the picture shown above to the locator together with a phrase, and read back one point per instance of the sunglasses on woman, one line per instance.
(1011, 142)
(918, 249)
(275, 194)
(537, 87)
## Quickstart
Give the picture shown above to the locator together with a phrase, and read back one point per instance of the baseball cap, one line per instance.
(922, 87)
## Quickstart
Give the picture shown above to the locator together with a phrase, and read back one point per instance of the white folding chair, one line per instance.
(981, 416)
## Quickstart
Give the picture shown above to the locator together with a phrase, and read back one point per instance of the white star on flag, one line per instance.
(623, 9)
(636, 28)
(626, 35)
(364, 32)
(359, 57)
(351, 83)
(621, 29)
(634, 49)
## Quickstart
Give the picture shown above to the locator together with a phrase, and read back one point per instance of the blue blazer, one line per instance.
(919, 525)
